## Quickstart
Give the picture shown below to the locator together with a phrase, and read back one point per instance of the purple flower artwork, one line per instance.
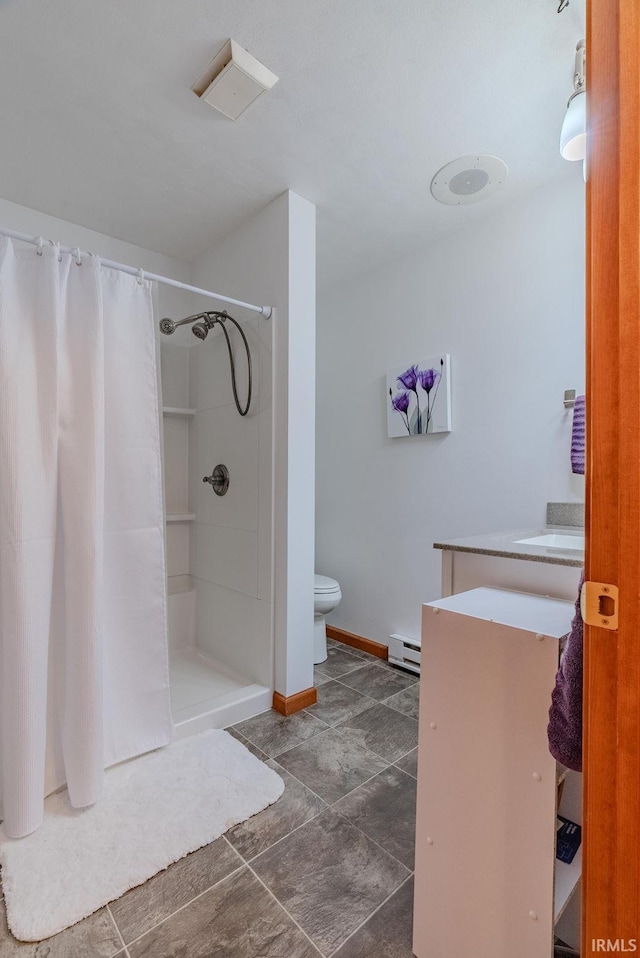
(419, 398)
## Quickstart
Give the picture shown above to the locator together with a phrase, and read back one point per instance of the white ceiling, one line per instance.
(98, 124)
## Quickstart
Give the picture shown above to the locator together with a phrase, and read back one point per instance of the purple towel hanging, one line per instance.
(565, 715)
(578, 436)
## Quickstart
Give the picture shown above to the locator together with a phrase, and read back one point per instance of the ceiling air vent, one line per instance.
(233, 81)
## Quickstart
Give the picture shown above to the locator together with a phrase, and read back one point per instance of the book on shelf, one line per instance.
(568, 838)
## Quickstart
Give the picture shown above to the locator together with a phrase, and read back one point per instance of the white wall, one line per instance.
(294, 460)
(505, 297)
(70, 234)
(251, 601)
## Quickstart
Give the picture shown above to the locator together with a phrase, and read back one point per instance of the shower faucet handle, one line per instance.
(218, 480)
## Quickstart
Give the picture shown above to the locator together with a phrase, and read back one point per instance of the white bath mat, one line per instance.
(153, 811)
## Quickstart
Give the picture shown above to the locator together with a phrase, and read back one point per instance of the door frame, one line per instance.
(611, 863)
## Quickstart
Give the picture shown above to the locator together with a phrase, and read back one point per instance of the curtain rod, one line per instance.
(133, 271)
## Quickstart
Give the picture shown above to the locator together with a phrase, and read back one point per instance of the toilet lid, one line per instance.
(322, 583)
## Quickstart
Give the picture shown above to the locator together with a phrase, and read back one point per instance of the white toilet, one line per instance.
(326, 596)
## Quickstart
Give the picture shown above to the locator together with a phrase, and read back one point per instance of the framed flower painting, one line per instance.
(419, 398)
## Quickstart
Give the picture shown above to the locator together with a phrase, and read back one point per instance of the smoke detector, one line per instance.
(233, 80)
(469, 179)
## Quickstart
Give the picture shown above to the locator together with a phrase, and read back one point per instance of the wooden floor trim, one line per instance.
(289, 704)
(358, 642)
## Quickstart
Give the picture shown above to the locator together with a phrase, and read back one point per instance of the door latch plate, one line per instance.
(599, 605)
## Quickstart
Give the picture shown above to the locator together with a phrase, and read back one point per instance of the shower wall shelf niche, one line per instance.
(180, 517)
(176, 411)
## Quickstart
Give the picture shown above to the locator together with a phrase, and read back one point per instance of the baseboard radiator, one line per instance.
(404, 652)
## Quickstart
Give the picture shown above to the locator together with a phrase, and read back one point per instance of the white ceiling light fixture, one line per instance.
(233, 80)
(469, 179)
(573, 138)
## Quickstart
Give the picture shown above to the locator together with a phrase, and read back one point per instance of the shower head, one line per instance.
(201, 324)
(200, 330)
(168, 326)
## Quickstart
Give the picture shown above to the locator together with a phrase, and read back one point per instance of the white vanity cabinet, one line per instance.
(498, 560)
(463, 570)
(487, 882)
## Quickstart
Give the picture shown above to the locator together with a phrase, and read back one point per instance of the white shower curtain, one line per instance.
(83, 649)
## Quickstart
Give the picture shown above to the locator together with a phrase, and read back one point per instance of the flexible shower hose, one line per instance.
(221, 319)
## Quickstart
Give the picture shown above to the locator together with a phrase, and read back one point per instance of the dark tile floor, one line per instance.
(326, 871)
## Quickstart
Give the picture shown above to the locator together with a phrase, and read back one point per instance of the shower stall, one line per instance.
(239, 545)
(240, 565)
(217, 430)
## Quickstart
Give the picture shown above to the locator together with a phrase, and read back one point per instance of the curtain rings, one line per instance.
(39, 245)
(140, 276)
(77, 256)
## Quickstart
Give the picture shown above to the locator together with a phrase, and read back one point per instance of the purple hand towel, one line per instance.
(565, 715)
(578, 436)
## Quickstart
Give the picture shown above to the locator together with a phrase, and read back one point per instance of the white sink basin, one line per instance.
(564, 541)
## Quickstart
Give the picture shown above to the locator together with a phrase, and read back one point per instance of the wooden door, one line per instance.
(611, 869)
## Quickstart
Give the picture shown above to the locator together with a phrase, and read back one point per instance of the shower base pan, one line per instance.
(206, 694)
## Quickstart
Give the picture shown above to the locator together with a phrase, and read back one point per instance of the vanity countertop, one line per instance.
(506, 545)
